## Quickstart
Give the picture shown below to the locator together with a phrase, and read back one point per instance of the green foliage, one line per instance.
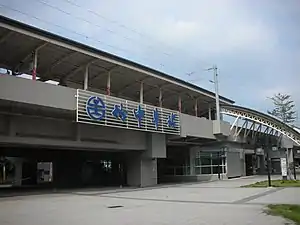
(283, 108)
(275, 183)
(291, 212)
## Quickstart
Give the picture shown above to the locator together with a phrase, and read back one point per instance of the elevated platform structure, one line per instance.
(114, 117)
(50, 57)
(106, 108)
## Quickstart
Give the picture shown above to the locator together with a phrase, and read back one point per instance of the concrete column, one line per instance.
(160, 98)
(148, 172)
(209, 112)
(142, 93)
(192, 161)
(196, 108)
(86, 78)
(142, 167)
(18, 172)
(108, 84)
(134, 169)
(179, 103)
(290, 158)
(34, 66)
(141, 171)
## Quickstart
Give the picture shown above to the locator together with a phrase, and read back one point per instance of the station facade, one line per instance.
(106, 121)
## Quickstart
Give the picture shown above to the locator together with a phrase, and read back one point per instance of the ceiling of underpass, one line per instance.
(64, 60)
(190, 141)
(22, 109)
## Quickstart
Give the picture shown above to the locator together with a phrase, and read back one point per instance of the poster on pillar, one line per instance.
(283, 165)
(98, 109)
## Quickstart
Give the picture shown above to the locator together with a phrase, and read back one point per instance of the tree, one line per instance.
(284, 108)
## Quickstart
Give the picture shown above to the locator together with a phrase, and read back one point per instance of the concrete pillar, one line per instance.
(141, 171)
(179, 104)
(134, 169)
(196, 107)
(108, 84)
(86, 78)
(142, 93)
(34, 67)
(142, 167)
(290, 157)
(148, 172)
(192, 161)
(18, 172)
(160, 98)
(209, 112)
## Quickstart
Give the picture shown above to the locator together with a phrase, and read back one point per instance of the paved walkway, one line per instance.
(219, 202)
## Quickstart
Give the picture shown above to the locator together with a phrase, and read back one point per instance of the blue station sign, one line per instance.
(98, 109)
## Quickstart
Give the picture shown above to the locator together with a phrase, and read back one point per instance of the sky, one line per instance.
(254, 43)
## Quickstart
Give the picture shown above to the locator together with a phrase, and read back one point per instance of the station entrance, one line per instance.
(42, 167)
(249, 164)
(177, 163)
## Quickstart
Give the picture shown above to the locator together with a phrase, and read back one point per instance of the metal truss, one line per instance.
(251, 129)
(256, 123)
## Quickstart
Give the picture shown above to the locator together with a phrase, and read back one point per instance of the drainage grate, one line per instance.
(115, 206)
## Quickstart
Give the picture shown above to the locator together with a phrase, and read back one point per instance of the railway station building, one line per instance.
(89, 118)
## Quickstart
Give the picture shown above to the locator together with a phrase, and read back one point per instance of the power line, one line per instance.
(91, 23)
(129, 29)
(96, 25)
(70, 30)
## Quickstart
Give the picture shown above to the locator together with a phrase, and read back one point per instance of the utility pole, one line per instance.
(216, 83)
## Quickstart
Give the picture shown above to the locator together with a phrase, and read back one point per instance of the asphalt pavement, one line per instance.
(218, 202)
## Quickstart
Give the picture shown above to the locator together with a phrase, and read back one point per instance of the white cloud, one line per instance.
(254, 44)
(213, 27)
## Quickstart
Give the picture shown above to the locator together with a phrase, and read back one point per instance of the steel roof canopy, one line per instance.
(263, 119)
(60, 57)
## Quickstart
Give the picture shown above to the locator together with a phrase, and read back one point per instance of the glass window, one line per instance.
(209, 163)
(187, 170)
(197, 170)
(179, 171)
(217, 169)
(216, 161)
(197, 162)
(206, 170)
(205, 161)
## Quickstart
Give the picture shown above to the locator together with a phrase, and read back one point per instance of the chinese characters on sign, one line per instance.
(96, 110)
(104, 110)
(119, 112)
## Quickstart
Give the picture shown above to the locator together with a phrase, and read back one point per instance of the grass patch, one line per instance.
(291, 212)
(276, 183)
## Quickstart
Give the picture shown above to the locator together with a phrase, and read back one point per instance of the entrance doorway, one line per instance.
(249, 164)
(62, 168)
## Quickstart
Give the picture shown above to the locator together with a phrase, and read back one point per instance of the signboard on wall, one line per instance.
(45, 172)
(283, 167)
(97, 109)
